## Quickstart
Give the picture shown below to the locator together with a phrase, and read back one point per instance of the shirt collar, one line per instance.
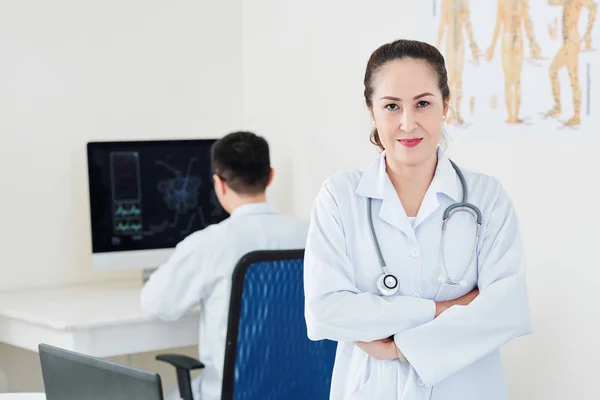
(253, 209)
(446, 179)
(373, 181)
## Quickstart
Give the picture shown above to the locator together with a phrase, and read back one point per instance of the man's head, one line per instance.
(242, 169)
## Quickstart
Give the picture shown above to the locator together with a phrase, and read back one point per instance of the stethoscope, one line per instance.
(387, 283)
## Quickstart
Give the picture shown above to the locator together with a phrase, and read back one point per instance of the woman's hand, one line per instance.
(383, 349)
(442, 306)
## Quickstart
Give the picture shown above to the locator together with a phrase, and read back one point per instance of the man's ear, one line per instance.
(220, 186)
(271, 174)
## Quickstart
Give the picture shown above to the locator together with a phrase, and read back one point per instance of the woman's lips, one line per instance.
(410, 142)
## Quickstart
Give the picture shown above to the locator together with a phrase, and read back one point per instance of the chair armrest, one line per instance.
(180, 361)
(183, 365)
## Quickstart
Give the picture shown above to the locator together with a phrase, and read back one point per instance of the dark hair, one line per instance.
(398, 50)
(241, 159)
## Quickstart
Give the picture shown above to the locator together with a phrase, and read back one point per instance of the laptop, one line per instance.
(72, 376)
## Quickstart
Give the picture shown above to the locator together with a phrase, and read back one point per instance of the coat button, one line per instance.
(420, 382)
(415, 253)
(416, 295)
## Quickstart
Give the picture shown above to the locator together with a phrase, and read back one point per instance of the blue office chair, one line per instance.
(268, 354)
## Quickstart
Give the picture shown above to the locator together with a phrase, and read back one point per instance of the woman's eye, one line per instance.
(422, 104)
(392, 107)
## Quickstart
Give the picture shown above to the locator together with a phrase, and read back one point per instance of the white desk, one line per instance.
(102, 320)
(22, 396)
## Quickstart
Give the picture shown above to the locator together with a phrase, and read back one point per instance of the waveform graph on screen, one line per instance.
(126, 193)
(146, 197)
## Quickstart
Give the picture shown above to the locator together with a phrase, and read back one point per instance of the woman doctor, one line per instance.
(414, 266)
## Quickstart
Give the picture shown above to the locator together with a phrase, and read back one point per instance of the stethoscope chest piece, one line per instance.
(387, 284)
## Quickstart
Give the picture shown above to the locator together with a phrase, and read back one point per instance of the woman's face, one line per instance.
(408, 110)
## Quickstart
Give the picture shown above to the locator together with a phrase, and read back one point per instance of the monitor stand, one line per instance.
(146, 274)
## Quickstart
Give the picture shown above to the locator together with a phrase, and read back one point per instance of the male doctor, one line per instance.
(199, 271)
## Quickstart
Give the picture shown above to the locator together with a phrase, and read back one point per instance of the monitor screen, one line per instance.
(149, 195)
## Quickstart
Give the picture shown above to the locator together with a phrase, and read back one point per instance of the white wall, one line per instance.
(303, 62)
(303, 69)
(74, 71)
(555, 188)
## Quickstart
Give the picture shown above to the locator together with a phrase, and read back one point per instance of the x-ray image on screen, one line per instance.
(150, 195)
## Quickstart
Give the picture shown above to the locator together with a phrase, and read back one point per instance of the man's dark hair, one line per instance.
(241, 159)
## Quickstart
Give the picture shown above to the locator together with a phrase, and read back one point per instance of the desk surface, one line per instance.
(22, 396)
(98, 319)
(76, 307)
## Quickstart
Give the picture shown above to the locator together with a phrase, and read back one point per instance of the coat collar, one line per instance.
(375, 184)
(253, 209)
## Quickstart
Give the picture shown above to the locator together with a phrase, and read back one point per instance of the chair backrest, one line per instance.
(268, 354)
(68, 375)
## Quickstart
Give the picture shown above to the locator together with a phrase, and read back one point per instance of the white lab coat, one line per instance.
(199, 272)
(453, 357)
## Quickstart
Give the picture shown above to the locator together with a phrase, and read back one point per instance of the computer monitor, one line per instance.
(68, 375)
(147, 196)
